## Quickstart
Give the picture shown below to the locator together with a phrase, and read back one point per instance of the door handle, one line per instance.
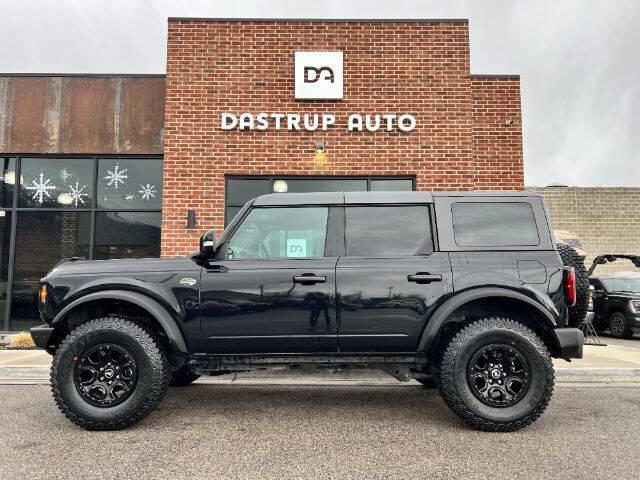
(215, 268)
(422, 278)
(309, 279)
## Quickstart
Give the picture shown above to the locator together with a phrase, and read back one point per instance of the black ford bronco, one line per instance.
(465, 291)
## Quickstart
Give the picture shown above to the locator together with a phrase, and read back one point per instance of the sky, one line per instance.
(578, 61)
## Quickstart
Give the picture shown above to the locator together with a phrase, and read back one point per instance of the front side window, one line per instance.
(293, 232)
(494, 224)
(383, 231)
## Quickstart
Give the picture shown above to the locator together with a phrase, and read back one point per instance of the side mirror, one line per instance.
(208, 243)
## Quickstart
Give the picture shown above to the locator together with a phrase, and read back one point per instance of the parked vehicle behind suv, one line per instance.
(616, 297)
(466, 289)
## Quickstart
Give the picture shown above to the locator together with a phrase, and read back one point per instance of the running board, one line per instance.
(217, 363)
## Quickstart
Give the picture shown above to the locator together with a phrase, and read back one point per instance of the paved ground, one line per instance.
(619, 361)
(252, 432)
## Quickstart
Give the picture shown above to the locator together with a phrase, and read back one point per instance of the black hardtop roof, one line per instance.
(340, 198)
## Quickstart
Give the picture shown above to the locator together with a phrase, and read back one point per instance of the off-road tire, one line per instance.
(621, 329)
(183, 376)
(153, 371)
(456, 390)
(570, 258)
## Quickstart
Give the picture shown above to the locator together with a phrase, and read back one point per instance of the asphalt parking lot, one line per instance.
(261, 432)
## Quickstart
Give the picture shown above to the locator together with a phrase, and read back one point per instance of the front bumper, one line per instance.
(634, 322)
(41, 335)
(570, 341)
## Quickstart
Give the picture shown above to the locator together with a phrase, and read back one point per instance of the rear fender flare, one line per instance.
(157, 311)
(443, 312)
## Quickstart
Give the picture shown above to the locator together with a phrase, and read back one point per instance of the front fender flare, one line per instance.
(157, 311)
(440, 316)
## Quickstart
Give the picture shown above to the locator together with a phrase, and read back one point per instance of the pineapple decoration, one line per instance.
(320, 157)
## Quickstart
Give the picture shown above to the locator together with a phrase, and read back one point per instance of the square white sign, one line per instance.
(296, 247)
(318, 75)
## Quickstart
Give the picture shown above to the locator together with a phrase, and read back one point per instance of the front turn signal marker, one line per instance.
(43, 294)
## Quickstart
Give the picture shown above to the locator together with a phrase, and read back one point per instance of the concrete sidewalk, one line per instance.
(608, 364)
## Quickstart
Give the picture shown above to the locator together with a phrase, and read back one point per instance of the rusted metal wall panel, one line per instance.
(86, 115)
(29, 108)
(141, 115)
(81, 115)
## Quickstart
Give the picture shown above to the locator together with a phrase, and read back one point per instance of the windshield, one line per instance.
(621, 284)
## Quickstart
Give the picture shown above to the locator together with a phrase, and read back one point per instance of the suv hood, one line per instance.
(138, 265)
(629, 295)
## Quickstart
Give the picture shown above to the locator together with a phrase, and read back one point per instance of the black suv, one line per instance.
(616, 298)
(465, 290)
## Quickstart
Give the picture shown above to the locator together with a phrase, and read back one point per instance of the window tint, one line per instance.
(42, 239)
(387, 231)
(127, 235)
(280, 233)
(493, 224)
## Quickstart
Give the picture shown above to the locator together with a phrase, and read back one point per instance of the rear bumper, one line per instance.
(41, 335)
(570, 341)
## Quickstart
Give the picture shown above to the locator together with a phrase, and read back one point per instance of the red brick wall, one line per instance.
(497, 133)
(421, 68)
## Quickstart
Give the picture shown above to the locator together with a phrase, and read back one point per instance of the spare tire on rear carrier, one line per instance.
(571, 258)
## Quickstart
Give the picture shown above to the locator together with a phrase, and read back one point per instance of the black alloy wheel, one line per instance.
(618, 325)
(109, 373)
(498, 375)
(105, 374)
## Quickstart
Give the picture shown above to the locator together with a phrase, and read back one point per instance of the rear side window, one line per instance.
(383, 231)
(494, 224)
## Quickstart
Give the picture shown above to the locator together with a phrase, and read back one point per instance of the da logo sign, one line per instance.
(318, 75)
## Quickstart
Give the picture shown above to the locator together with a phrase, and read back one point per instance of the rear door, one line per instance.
(390, 280)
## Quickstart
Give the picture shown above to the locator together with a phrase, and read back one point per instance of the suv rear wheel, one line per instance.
(108, 374)
(496, 374)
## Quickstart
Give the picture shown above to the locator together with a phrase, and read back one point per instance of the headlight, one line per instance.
(634, 306)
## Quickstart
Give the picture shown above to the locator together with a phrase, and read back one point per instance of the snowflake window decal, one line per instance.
(147, 192)
(41, 188)
(65, 175)
(116, 176)
(76, 194)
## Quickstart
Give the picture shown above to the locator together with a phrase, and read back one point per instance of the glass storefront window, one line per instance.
(7, 181)
(130, 184)
(127, 235)
(56, 183)
(71, 207)
(401, 185)
(5, 240)
(42, 239)
(240, 190)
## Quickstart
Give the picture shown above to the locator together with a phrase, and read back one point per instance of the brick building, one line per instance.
(467, 131)
(110, 166)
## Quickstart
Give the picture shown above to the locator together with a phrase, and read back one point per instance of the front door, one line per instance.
(391, 280)
(272, 289)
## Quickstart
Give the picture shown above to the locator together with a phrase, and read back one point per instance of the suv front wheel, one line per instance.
(496, 374)
(108, 374)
